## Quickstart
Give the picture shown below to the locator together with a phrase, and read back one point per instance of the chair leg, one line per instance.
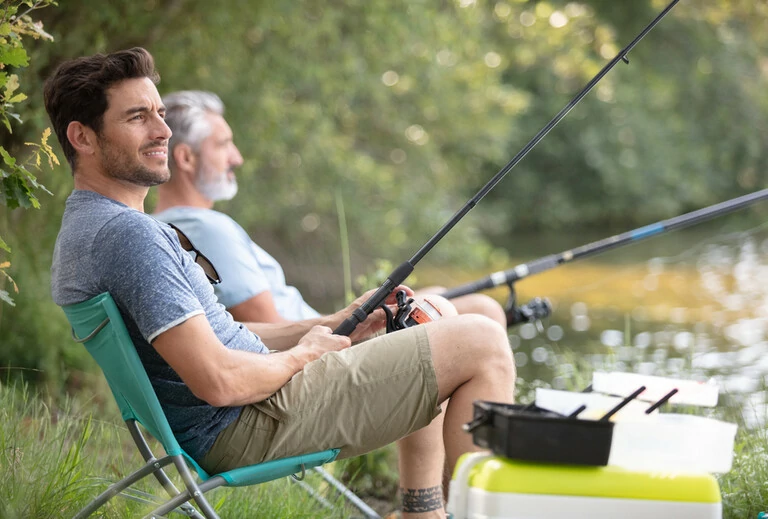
(369, 512)
(119, 486)
(193, 491)
(312, 492)
(162, 478)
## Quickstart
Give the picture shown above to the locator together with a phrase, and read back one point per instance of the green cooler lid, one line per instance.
(504, 475)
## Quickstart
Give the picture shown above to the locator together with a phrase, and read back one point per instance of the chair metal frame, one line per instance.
(98, 325)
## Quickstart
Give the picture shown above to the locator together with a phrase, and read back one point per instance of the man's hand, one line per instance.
(376, 320)
(319, 340)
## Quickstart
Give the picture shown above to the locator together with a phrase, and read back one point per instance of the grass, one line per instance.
(54, 460)
(745, 487)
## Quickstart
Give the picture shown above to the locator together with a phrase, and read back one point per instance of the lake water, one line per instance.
(692, 303)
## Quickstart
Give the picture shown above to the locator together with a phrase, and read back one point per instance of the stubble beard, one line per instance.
(119, 165)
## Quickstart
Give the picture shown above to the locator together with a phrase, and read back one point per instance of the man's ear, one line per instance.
(82, 138)
(185, 158)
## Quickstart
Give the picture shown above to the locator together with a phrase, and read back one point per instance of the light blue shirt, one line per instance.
(246, 270)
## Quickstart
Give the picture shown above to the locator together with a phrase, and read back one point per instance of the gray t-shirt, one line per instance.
(106, 246)
(246, 269)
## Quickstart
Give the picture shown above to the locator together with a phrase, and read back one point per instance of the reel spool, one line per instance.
(410, 313)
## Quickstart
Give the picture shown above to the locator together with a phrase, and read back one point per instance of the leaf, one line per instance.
(7, 157)
(17, 98)
(11, 85)
(15, 116)
(6, 248)
(38, 32)
(6, 297)
(18, 193)
(15, 57)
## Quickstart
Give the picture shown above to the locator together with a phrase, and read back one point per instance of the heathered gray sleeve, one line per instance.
(146, 273)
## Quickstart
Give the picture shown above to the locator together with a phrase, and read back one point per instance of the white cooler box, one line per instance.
(492, 487)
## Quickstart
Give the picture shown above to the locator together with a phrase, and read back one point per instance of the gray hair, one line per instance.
(185, 115)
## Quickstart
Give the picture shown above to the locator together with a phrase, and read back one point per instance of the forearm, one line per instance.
(247, 377)
(286, 335)
(242, 372)
(283, 336)
(222, 376)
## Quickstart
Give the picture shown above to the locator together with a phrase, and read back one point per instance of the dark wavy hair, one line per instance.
(77, 90)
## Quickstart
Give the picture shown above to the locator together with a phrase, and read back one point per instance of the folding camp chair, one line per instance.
(97, 324)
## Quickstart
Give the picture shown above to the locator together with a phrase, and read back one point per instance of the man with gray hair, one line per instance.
(202, 159)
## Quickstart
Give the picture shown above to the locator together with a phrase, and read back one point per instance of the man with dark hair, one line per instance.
(229, 400)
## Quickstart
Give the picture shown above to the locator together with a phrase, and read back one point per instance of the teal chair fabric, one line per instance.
(97, 324)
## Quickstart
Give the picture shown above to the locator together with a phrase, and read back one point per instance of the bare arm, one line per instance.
(285, 335)
(282, 336)
(224, 377)
(258, 309)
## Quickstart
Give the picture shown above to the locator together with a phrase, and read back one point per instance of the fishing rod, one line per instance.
(536, 309)
(401, 272)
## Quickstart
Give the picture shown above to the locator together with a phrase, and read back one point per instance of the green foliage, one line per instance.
(744, 488)
(403, 110)
(677, 129)
(17, 183)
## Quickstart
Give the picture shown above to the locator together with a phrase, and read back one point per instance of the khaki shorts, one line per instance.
(356, 400)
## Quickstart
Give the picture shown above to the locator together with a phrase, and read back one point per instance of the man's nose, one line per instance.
(236, 159)
(161, 129)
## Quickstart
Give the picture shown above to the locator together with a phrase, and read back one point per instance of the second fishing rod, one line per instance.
(398, 276)
(619, 240)
(538, 307)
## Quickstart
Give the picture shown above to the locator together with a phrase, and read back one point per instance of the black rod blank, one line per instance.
(399, 275)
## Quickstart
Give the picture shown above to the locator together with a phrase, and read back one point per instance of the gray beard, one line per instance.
(221, 189)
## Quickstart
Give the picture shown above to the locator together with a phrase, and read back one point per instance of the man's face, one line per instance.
(134, 136)
(217, 160)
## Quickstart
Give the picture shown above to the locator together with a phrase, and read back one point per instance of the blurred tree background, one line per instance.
(405, 109)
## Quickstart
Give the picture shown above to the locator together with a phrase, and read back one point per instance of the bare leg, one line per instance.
(421, 460)
(472, 361)
(481, 304)
(472, 304)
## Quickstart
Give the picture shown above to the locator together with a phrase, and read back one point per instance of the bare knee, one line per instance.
(494, 344)
(483, 305)
(471, 344)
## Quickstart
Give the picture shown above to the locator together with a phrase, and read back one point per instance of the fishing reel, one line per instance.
(409, 312)
(533, 311)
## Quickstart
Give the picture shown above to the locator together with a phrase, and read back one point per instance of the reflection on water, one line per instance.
(701, 314)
